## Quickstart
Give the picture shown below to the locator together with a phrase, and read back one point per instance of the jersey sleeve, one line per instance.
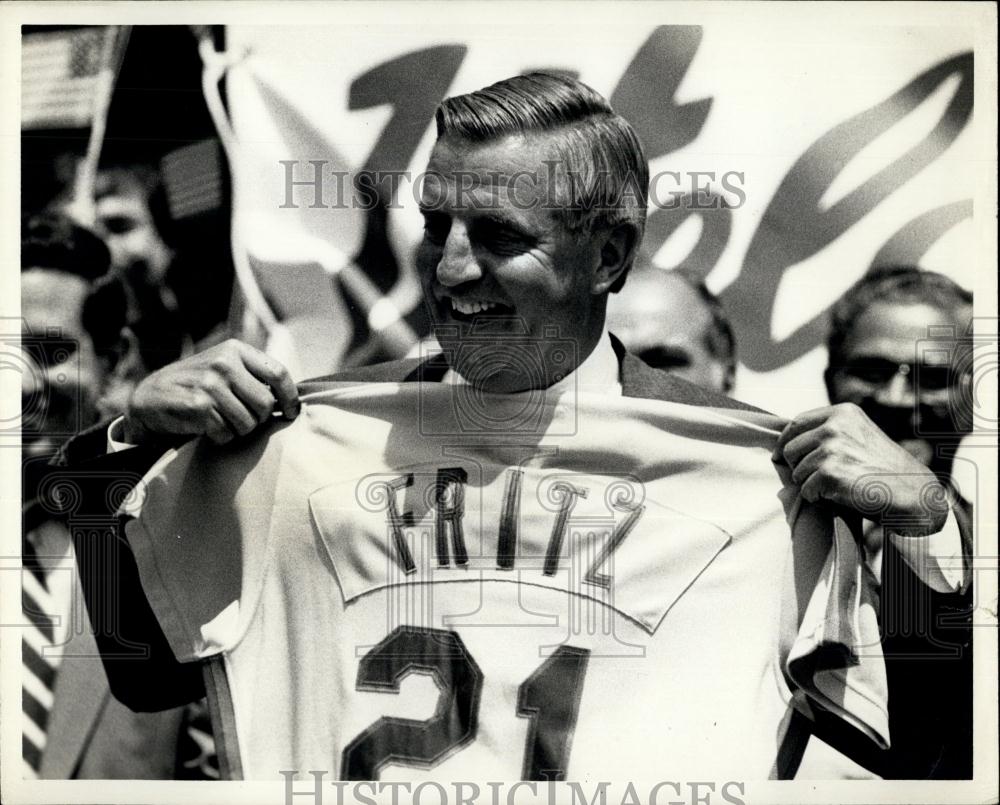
(198, 525)
(831, 647)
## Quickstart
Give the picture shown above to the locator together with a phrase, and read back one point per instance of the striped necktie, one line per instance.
(40, 658)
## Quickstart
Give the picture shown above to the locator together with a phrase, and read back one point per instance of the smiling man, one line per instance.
(527, 229)
(534, 206)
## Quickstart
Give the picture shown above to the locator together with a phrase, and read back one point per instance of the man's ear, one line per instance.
(617, 251)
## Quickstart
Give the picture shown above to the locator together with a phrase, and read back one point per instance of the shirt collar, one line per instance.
(598, 374)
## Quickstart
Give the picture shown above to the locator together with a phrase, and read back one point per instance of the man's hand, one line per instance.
(221, 393)
(838, 454)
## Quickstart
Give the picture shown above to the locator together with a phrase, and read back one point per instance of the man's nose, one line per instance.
(896, 392)
(458, 264)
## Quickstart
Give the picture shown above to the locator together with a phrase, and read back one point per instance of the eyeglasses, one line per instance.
(881, 371)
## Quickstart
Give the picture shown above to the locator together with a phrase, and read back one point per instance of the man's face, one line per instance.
(61, 375)
(125, 222)
(509, 287)
(906, 382)
(662, 319)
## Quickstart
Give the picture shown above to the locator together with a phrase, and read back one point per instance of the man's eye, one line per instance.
(873, 370)
(119, 224)
(665, 358)
(933, 378)
(436, 228)
(501, 239)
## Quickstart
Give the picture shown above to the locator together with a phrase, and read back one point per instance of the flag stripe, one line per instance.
(40, 58)
(190, 167)
(71, 88)
(193, 198)
(195, 186)
(201, 205)
(76, 119)
(77, 90)
(36, 70)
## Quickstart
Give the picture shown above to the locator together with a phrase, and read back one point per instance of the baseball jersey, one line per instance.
(424, 582)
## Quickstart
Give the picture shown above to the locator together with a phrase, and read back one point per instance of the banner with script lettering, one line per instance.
(785, 161)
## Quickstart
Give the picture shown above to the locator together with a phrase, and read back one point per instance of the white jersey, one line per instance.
(616, 589)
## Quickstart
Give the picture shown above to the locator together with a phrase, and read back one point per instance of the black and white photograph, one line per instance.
(465, 403)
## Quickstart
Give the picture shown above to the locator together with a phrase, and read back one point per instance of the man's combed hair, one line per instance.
(898, 285)
(602, 173)
(537, 101)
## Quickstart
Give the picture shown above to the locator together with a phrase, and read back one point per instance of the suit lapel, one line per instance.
(431, 370)
(641, 380)
(81, 695)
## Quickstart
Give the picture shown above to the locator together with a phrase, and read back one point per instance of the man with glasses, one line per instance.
(900, 349)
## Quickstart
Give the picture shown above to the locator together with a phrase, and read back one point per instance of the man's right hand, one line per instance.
(221, 393)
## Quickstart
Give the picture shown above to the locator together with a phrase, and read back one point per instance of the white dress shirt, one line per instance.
(598, 374)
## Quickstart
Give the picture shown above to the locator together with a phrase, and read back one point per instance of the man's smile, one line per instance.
(467, 308)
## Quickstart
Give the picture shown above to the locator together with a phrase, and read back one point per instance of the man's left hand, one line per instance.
(838, 454)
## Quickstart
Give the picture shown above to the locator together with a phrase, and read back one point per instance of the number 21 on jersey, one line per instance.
(549, 698)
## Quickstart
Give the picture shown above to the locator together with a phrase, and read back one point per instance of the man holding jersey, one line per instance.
(517, 262)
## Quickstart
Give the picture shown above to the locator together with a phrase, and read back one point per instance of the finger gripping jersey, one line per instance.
(614, 589)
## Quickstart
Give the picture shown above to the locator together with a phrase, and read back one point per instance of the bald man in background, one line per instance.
(673, 322)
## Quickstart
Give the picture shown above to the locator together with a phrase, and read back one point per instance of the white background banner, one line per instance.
(827, 149)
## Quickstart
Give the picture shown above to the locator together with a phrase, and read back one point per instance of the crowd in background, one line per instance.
(104, 302)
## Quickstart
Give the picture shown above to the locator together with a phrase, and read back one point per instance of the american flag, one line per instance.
(193, 178)
(59, 76)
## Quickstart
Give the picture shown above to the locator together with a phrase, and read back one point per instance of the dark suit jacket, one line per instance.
(927, 641)
(92, 736)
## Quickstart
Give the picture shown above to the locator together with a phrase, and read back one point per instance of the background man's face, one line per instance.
(125, 222)
(497, 264)
(663, 320)
(905, 382)
(63, 375)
